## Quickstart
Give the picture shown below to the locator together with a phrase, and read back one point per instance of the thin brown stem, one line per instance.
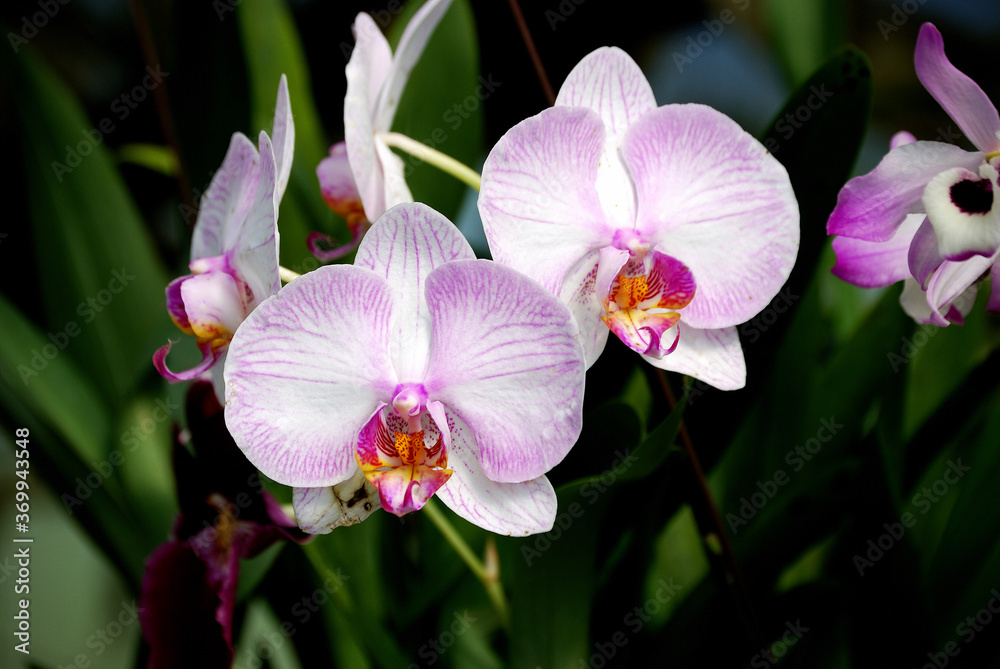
(529, 43)
(160, 96)
(734, 577)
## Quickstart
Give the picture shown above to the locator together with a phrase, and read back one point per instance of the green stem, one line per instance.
(287, 275)
(489, 579)
(434, 157)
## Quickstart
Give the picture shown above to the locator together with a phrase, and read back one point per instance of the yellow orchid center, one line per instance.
(631, 291)
(410, 447)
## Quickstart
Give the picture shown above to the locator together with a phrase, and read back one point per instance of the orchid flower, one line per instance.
(928, 213)
(362, 177)
(667, 225)
(189, 588)
(234, 247)
(421, 369)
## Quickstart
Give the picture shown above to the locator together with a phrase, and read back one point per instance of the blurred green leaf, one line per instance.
(805, 32)
(99, 273)
(151, 156)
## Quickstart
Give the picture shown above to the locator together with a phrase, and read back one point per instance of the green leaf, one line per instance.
(272, 47)
(653, 451)
(805, 32)
(151, 156)
(442, 105)
(99, 273)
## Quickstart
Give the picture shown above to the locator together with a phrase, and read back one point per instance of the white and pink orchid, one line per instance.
(421, 369)
(362, 177)
(665, 225)
(928, 214)
(234, 247)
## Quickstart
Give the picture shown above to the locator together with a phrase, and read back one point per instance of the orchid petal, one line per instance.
(404, 246)
(964, 208)
(913, 300)
(336, 184)
(960, 96)
(514, 509)
(948, 286)
(255, 256)
(213, 303)
(284, 140)
(922, 257)
(714, 356)
(209, 355)
(376, 446)
(540, 211)
(874, 264)
(900, 138)
(407, 488)
(368, 67)
(175, 304)
(411, 46)
(710, 195)
(642, 331)
(608, 82)
(321, 510)
(584, 292)
(227, 201)
(505, 357)
(393, 178)
(872, 206)
(306, 370)
(994, 302)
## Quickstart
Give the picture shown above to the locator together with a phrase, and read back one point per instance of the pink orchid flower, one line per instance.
(362, 177)
(928, 214)
(234, 247)
(421, 369)
(665, 225)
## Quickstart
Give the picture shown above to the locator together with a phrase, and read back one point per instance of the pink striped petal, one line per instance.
(710, 195)
(404, 246)
(411, 46)
(227, 201)
(608, 82)
(874, 264)
(367, 69)
(209, 355)
(540, 210)
(505, 357)
(874, 205)
(306, 370)
(336, 184)
(960, 96)
(255, 253)
(514, 509)
(714, 356)
(175, 304)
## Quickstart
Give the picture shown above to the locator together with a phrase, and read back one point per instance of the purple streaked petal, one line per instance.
(175, 304)
(948, 286)
(376, 444)
(714, 356)
(321, 510)
(411, 46)
(366, 71)
(214, 304)
(325, 248)
(922, 256)
(642, 332)
(872, 206)
(227, 201)
(710, 195)
(404, 246)
(994, 303)
(255, 255)
(283, 134)
(209, 355)
(608, 82)
(505, 357)
(874, 264)
(964, 208)
(336, 184)
(669, 284)
(514, 509)
(306, 370)
(584, 292)
(960, 96)
(540, 210)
